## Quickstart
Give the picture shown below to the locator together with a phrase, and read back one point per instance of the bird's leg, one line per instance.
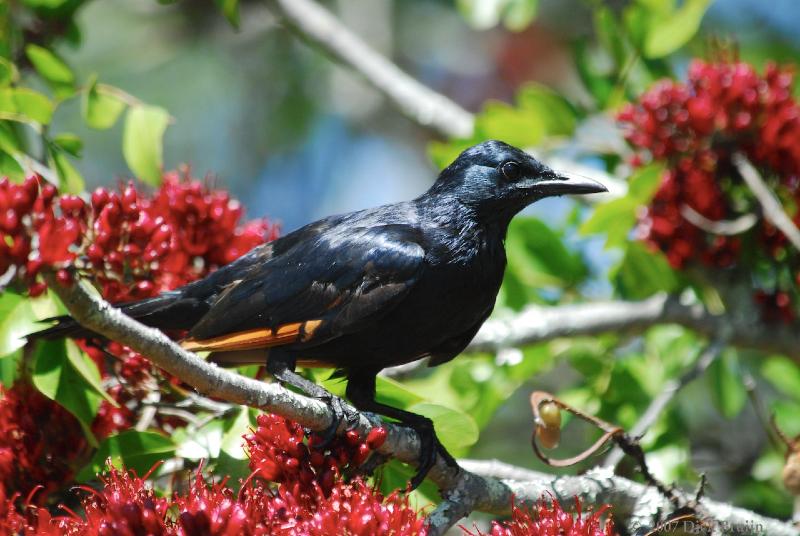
(281, 366)
(361, 392)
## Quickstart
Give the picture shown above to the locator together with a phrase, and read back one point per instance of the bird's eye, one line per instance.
(511, 170)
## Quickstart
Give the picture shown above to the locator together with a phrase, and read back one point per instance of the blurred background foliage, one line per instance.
(92, 89)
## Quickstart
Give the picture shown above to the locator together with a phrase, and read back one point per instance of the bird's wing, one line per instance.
(325, 286)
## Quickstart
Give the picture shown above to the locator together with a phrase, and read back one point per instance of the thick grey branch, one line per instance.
(635, 505)
(537, 323)
(773, 211)
(317, 25)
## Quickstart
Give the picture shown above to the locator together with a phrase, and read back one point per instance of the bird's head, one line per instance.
(498, 180)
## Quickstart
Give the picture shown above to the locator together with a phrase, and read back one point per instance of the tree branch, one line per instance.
(773, 211)
(537, 323)
(743, 223)
(463, 491)
(636, 505)
(317, 25)
(660, 402)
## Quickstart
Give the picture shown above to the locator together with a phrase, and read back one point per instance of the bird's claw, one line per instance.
(430, 446)
(341, 412)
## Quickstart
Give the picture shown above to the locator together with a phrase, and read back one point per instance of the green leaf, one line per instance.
(9, 167)
(442, 153)
(47, 306)
(230, 8)
(9, 367)
(616, 218)
(787, 416)
(520, 13)
(395, 475)
(393, 393)
(519, 127)
(8, 139)
(454, 429)
(27, 104)
(483, 14)
(71, 180)
(16, 321)
(610, 34)
(100, 108)
(644, 182)
(784, 374)
(130, 449)
(50, 67)
(55, 376)
(70, 143)
(87, 368)
(556, 112)
(668, 33)
(8, 72)
(236, 426)
(47, 4)
(203, 443)
(765, 496)
(538, 256)
(235, 469)
(725, 383)
(142, 141)
(643, 272)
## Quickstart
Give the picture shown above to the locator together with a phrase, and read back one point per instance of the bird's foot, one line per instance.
(341, 412)
(430, 446)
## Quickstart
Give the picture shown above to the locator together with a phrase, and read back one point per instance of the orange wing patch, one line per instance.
(255, 338)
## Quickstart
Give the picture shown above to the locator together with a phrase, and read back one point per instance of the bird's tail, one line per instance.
(145, 310)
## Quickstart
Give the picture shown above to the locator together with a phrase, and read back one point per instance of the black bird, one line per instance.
(367, 290)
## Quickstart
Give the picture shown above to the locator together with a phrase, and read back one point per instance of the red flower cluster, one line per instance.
(549, 519)
(40, 443)
(353, 508)
(127, 506)
(279, 454)
(132, 244)
(695, 127)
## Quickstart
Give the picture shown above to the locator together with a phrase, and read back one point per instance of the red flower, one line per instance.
(39, 442)
(126, 505)
(547, 518)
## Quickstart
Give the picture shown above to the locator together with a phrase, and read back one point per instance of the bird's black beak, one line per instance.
(566, 184)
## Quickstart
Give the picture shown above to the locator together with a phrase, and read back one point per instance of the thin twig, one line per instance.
(741, 224)
(149, 410)
(760, 409)
(30, 165)
(428, 108)
(672, 388)
(773, 211)
(182, 414)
